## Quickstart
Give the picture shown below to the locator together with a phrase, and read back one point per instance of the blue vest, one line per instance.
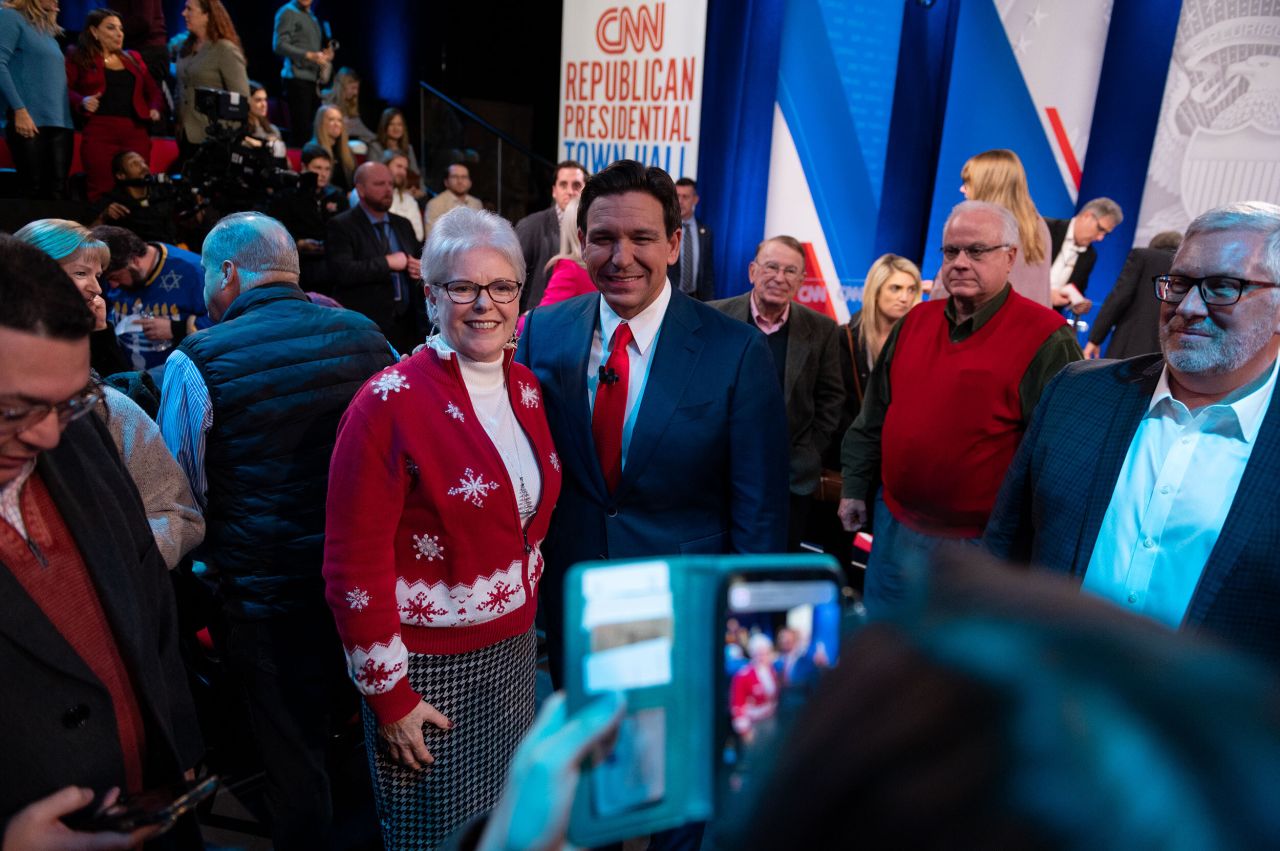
(281, 372)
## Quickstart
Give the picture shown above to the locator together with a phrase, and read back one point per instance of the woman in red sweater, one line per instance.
(440, 491)
(112, 91)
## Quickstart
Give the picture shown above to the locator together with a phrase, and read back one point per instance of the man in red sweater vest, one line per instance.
(948, 402)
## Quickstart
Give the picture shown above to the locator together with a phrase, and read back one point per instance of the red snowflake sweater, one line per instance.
(424, 549)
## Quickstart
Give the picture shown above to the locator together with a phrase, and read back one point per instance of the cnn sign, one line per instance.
(620, 29)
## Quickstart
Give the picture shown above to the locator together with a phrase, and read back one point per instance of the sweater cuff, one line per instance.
(851, 488)
(391, 706)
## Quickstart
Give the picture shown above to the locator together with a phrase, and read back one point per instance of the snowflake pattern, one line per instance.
(498, 598)
(473, 488)
(358, 599)
(555, 461)
(377, 676)
(420, 609)
(428, 547)
(389, 382)
(529, 395)
(455, 412)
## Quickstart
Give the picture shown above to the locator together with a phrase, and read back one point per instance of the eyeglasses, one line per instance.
(16, 419)
(465, 292)
(951, 253)
(775, 269)
(1217, 290)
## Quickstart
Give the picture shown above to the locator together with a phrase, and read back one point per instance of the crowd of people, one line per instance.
(384, 478)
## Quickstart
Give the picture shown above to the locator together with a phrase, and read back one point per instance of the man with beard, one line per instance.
(1152, 480)
(373, 260)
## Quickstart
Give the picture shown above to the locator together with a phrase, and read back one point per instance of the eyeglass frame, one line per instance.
(967, 250)
(774, 268)
(480, 288)
(1198, 285)
(16, 420)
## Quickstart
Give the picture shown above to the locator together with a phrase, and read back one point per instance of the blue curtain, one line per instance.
(739, 88)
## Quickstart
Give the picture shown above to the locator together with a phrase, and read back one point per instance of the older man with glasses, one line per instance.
(948, 401)
(1152, 480)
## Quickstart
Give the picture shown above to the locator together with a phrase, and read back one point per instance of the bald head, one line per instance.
(244, 251)
(374, 185)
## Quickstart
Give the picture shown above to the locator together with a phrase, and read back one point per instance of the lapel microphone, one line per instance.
(608, 376)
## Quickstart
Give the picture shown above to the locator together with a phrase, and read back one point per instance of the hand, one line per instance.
(853, 514)
(23, 124)
(1092, 350)
(157, 328)
(155, 114)
(38, 826)
(98, 306)
(414, 268)
(90, 104)
(533, 812)
(1059, 298)
(115, 211)
(404, 737)
(314, 56)
(310, 246)
(398, 262)
(326, 55)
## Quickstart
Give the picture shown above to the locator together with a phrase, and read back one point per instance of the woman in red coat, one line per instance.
(112, 92)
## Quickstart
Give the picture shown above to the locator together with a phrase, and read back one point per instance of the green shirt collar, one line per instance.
(970, 326)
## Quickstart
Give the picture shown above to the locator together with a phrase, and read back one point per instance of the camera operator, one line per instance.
(138, 201)
(305, 213)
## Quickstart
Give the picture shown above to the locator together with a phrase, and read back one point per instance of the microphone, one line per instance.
(608, 376)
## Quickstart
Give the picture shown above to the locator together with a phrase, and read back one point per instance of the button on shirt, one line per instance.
(1172, 498)
(644, 331)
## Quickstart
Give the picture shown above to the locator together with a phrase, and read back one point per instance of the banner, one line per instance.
(631, 83)
(1218, 139)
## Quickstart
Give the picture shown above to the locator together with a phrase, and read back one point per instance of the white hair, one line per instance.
(1252, 216)
(463, 229)
(1008, 224)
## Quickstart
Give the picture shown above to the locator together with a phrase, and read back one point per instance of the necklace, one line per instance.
(523, 501)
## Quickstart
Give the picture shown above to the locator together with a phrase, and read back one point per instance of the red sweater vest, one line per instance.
(945, 483)
(424, 550)
(64, 591)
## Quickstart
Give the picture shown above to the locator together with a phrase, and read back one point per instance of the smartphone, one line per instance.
(781, 635)
(161, 806)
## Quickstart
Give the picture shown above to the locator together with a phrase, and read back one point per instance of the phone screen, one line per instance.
(781, 636)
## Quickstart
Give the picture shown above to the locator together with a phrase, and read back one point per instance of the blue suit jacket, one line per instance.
(1057, 490)
(706, 469)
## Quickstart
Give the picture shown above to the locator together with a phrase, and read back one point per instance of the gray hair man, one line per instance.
(1071, 244)
(1152, 480)
(974, 365)
(250, 407)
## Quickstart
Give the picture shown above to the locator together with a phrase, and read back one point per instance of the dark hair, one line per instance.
(87, 48)
(38, 297)
(688, 181)
(445, 176)
(124, 244)
(385, 141)
(315, 151)
(563, 164)
(117, 162)
(631, 176)
(1166, 240)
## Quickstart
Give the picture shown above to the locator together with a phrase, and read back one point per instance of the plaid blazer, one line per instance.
(1057, 490)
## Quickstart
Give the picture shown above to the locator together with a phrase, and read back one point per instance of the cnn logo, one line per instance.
(619, 27)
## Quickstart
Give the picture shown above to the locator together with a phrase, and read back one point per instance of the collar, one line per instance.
(983, 314)
(369, 215)
(765, 325)
(1069, 240)
(161, 258)
(644, 325)
(1248, 404)
(11, 498)
(691, 222)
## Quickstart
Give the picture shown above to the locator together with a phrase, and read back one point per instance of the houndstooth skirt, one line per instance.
(488, 695)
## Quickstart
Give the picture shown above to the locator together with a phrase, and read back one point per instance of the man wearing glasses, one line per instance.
(1152, 480)
(806, 354)
(95, 693)
(948, 401)
(1071, 244)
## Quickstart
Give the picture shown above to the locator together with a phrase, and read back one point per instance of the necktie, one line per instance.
(687, 283)
(397, 283)
(611, 407)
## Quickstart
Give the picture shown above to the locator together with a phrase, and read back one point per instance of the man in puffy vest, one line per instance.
(948, 402)
(250, 408)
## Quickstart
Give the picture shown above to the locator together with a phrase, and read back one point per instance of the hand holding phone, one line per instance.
(154, 810)
(40, 827)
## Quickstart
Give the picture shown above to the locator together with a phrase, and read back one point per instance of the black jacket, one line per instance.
(358, 268)
(1084, 263)
(1132, 307)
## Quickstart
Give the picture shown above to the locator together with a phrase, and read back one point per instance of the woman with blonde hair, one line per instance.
(997, 176)
(330, 133)
(345, 95)
(33, 88)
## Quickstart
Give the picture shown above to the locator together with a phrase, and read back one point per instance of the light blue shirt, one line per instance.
(33, 72)
(1172, 498)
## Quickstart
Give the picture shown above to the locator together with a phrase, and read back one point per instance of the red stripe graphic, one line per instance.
(814, 293)
(1060, 132)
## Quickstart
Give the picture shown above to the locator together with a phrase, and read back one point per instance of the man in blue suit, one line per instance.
(1153, 480)
(674, 443)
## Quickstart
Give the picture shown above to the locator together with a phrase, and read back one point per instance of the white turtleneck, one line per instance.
(487, 386)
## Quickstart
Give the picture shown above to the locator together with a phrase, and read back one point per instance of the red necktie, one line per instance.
(611, 407)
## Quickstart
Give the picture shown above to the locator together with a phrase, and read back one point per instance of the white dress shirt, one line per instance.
(644, 333)
(1065, 263)
(1172, 498)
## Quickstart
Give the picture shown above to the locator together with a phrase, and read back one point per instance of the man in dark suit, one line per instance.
(1152, 480)
(374, 261)
(671, 437)
(95, 693)
(1131, 308)
(1072, 252)
(696, 253)
(806, 353)
(539, 233)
